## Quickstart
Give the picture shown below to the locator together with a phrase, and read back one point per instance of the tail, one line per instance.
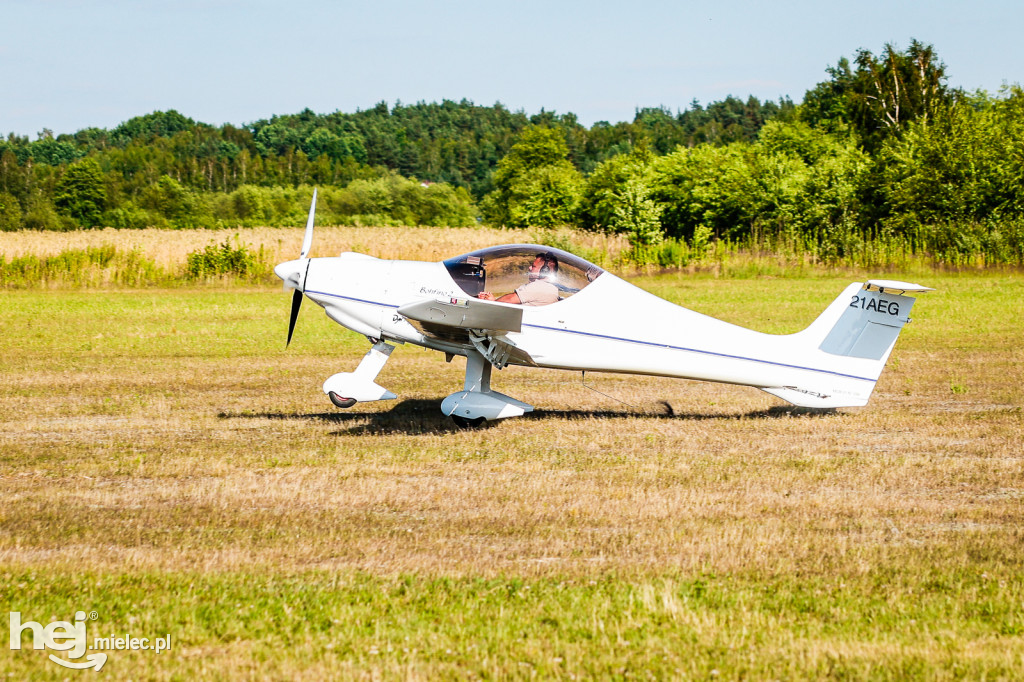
(851, 342)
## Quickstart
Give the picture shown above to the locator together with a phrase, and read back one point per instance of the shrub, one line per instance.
(226, 259)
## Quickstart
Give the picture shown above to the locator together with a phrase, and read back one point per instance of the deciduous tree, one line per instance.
(80, 193)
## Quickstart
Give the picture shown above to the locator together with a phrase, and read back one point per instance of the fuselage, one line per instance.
(609, 325)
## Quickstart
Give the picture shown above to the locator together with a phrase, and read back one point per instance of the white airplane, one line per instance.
(535, 306)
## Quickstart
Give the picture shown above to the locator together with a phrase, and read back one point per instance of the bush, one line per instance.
(226, 259)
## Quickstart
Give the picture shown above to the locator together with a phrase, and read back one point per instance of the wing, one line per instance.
(465, 313)
(472, 322)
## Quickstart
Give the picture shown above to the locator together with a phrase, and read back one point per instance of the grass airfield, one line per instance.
(165, 463)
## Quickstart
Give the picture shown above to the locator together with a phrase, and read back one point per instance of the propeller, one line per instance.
(296, 303)
(307, 240)
(294, 272)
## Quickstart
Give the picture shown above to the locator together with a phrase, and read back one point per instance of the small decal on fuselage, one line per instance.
(876, 304)
(436, 292)
(814, 394)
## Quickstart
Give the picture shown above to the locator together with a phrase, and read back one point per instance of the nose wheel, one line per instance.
(339, 401)
(348, 388)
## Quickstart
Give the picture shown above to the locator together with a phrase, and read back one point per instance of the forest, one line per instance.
(882, 151)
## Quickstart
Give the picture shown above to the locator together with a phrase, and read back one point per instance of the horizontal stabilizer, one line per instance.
(893, 287)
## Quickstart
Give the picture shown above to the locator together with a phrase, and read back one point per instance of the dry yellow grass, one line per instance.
(744, 490)
(169, 248)
(241, 442)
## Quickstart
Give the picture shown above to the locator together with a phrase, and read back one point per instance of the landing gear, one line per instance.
(339, 401)
(476, 402)
(348, 388)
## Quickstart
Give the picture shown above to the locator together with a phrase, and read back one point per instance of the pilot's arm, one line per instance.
(507, 298)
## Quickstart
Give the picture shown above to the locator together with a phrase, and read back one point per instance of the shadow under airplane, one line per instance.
(415, 416)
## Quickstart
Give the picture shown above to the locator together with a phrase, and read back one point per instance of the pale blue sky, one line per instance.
(68, 65)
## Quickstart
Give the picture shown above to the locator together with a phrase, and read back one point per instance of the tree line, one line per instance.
(882, 148)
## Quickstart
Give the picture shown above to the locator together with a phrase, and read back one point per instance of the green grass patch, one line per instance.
(935, 625)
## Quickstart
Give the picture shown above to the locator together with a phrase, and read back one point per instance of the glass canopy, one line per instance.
(502, 269)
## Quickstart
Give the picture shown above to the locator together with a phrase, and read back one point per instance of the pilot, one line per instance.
(539, 290)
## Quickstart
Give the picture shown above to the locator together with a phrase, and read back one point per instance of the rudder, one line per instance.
(869, 326)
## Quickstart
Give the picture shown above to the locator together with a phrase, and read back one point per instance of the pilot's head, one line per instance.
(545, 266)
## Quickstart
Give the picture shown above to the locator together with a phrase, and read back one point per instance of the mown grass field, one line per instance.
(166, 463)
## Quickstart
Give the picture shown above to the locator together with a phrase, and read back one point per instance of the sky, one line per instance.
(68, 65)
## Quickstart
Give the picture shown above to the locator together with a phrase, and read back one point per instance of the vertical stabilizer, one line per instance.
(852, 340)
(869, 326)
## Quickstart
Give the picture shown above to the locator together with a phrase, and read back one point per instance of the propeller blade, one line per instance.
(307, 240)
(296, 303)
(292, 277)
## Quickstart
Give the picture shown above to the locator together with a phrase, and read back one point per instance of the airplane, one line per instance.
(536, 306)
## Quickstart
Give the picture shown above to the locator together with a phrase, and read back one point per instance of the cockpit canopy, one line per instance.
(501, 269)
